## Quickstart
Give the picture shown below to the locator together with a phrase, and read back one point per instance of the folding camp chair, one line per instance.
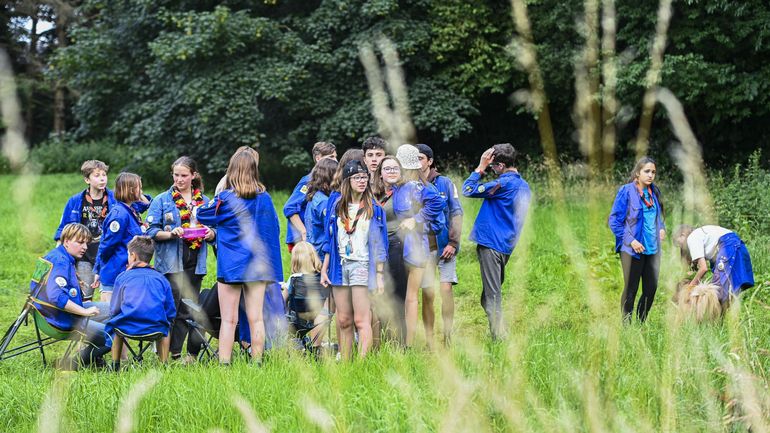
(46, 334)
(145, 342)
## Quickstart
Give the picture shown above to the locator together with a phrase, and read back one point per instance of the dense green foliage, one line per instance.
(203, 77)
(568, 365)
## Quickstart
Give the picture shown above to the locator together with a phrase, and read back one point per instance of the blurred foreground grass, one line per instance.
(568, 364)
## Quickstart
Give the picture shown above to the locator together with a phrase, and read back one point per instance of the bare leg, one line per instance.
(255, 298)
(362, 311)
(447, 310)
(105, 297)
(428, 314)
(229, 297)
(413, 281)
(117, 348)
(162, 345)
(344, 303)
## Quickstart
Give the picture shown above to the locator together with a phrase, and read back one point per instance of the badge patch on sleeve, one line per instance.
(303, 190)
(149, 219)
(481, 188)
(73, 292)
(60, 281)
(114, 226)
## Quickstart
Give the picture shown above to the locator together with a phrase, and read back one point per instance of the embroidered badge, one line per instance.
(114, 226)
(149, 219)
(303, 190)
(73, 292)
(481, 188)
(721, 266)
(60, 281)
(168, 217)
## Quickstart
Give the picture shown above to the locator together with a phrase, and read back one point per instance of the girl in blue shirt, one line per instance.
(636, 220)
(248, 249)
(317, 197)
(120, 226)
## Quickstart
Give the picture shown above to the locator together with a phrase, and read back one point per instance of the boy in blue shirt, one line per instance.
(294, 209)
(498, 225)
(142, 302)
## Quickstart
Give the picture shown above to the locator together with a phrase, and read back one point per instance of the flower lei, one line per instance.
(184, 214)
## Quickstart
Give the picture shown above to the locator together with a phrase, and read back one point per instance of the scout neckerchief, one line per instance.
(388, 195)
(649, 203)
(352, 229)
(184, 213)
(104, 203)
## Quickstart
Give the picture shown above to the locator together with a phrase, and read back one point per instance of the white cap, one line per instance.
(408, 156)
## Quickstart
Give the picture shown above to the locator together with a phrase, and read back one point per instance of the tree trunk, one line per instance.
(59, 91)
(29, 115)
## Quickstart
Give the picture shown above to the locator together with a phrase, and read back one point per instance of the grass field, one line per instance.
(568, 364)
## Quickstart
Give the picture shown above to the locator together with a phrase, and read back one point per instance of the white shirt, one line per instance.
(358, 241)
(703, 242)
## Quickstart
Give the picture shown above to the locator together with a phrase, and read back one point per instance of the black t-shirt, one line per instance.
(190, 257)
(92, 215)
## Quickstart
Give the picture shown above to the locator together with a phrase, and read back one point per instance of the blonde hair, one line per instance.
(701, 303)
(75, 232)
(304, 259)
(128, 187)
(243, 173)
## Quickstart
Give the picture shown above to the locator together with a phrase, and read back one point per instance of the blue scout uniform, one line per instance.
(448, 192)
(73, 207)
(57, 286)
(626, 219)
(377, 242)
(296, 205)
(248, 244)
(120, 226)
(315, 217)
(423, 203)
(142, 303)
(501, 217)
(169, 255)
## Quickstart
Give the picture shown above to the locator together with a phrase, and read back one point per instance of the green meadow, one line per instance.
(567, 365)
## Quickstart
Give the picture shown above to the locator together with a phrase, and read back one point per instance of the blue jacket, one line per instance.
(447, 191)
(56, 287)
(248, 244)
(120, 226)
(423, 203)
(164, 215)
(627, 218)
(74, 205)
(315, 217)
(296, 205)
(501, 218)
(141, 304)
(378, 242)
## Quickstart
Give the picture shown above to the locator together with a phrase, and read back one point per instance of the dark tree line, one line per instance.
(204, 77)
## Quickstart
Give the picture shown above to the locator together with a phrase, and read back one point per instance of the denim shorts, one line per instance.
(106, 289)
(447, 270)
(85, 272)
(355, 273)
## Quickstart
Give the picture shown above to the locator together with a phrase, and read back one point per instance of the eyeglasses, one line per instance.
(394, 169)
(360, 178)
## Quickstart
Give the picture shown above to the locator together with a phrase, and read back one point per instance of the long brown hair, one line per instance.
(190, 164)
(378, 185)
(348, 156)
(243, 173)
(321, 177)
(347, 198)
(128, 187)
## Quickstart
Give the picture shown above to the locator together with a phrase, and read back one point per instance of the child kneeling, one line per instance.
(142, 302)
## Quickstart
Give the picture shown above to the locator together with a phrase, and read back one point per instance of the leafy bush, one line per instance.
(66, 156)
(741, 198)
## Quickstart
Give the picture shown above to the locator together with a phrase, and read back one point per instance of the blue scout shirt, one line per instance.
(56, 287)
(423, 203)
(447, 190)
(501, 217)
(377, 245)
(120, 226)
(649, 231)
(142, 303)
(296, 205)
(248, 244)
(626, 219)
(164, 216)
(315, 216)
(73, 207)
